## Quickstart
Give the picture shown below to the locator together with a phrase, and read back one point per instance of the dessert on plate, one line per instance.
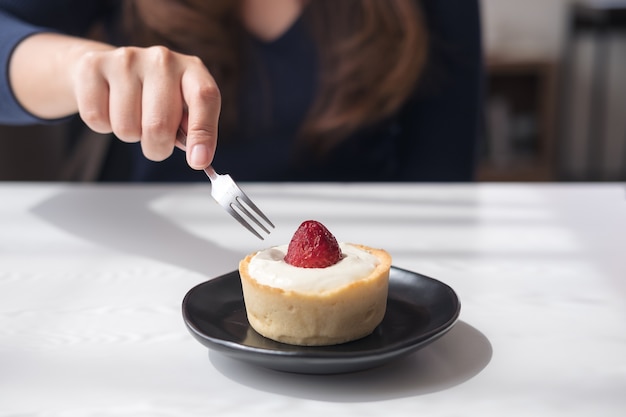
(315, 291)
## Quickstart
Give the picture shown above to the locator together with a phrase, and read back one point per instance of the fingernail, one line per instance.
(199, 155)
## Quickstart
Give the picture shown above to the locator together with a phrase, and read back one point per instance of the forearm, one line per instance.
(41, 72)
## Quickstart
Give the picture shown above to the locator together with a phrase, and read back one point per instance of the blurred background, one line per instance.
(555, 107)
(556, 100)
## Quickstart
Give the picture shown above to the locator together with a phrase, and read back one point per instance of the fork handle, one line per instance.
(210, 172)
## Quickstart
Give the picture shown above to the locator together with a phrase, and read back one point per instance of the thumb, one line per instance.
(200, 146)
(201, 123)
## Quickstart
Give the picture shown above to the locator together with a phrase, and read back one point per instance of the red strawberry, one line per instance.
(313, 246)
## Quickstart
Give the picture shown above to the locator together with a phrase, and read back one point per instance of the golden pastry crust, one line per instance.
(340, 315)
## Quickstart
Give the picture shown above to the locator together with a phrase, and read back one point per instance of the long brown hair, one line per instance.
(371, 53)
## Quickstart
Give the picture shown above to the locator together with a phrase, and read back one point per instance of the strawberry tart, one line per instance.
(315, 291)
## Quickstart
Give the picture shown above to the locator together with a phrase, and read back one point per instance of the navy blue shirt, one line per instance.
(433, 137)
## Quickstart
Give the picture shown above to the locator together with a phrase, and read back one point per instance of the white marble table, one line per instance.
(92, 278)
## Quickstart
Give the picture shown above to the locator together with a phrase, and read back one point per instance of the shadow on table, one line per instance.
(451, 360)
(120, 218)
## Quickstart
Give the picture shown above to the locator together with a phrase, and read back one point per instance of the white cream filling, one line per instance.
(268, 267)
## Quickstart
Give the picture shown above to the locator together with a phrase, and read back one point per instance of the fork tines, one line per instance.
(228, 194)
(241, 206)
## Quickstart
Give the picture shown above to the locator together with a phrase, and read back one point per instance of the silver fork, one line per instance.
(227, 193)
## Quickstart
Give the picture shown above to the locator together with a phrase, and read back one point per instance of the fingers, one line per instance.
(139, 94)
(125, 92)
(203, 100)
(162, 106)
(92, 94)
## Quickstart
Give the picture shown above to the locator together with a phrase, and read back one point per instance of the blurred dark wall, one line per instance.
(32, 153)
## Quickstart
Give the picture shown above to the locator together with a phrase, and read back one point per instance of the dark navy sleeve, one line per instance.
(441, 127)
(22, 18)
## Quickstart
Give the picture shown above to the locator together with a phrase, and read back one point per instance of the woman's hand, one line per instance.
(140, 94)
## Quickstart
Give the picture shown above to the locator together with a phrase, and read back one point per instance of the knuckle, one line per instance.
(95, 118)
(160, 52)
(209, 92)
(196, 61)
(126, 56)
(156, 142)
(160, 56)
(154, 128)
(89, 62)
(205, 133)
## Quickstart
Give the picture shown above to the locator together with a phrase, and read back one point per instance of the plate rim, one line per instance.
(312, 353)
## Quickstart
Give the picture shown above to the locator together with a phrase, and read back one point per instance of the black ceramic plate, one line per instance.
(419, 310)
